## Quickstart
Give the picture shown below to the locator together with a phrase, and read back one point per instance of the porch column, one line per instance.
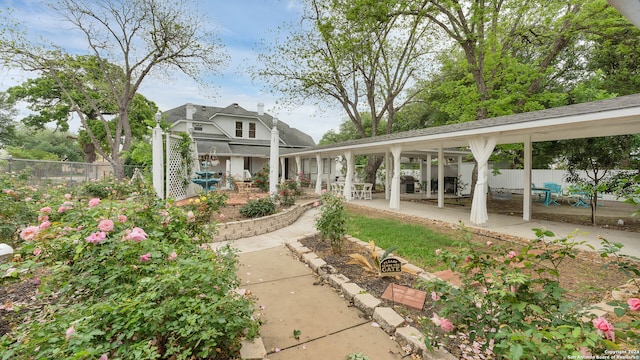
(157, 160)
(481, 147)
(440, 176)
(387, 175)
(526, 186)
(348, 181)
(394, 202)
(298, 168)
(319, 174)
(429, 175)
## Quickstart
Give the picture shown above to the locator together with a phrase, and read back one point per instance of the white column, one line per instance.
(348, 181)
(298, 168)
(440, 177)
(526, 200)
(394, 202)
(429, 175)
(158, 159)
(319, 174)
(387, 177)
(274, 154)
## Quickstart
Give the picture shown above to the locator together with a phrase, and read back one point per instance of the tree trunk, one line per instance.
(373, 163)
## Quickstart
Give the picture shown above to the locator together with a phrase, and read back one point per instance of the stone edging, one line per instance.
(409, 338)
(251, 227)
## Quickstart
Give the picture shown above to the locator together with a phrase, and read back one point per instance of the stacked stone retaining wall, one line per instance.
(252, 227)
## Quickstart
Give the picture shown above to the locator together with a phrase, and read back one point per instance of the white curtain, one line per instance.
(394, 202)
(481, 148)
(348, 180)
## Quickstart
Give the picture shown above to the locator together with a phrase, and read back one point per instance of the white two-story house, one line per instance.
(236, 135)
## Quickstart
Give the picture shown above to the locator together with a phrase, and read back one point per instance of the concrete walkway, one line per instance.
(290, 298)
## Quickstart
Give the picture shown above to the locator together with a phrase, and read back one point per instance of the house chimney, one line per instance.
(190, 111)
(260, 109)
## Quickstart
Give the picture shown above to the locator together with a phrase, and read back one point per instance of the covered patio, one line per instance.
(617, 116)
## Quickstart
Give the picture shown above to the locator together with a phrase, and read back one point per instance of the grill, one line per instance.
(407, 184)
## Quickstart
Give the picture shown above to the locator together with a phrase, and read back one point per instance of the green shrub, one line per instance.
(332, 223)
(128, 280)
(258, 208)
(287, 192)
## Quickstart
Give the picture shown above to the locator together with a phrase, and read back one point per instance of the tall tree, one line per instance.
(355, 54)
(7, 123)
(43, 144)
(140, 37)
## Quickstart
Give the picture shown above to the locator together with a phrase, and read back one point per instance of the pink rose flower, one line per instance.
(70, 331)
(512, 254)
(94, 202)
(62, 209)
(489, 243)
(104, 357)
(145, 257)
(446, 325)
(173, 256)
(316, 204)
(37, 251)
(122, 218)
(67, 196)
(27, 199)
(45, 210)
(604, 328)
(136, 234)
(97, 237)
(29, 233)
(435, 296)
(221, 216)
(634, 304)
(190, 216)
(435, 319)
(45, 225)
(106, 225)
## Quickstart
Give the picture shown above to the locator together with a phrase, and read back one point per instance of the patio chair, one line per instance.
(555, 193)
(366, 192)
(355, 192)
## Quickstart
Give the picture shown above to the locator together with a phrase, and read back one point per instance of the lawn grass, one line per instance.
(416, 243)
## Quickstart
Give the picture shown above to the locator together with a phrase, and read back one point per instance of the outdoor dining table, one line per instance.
(547, 195)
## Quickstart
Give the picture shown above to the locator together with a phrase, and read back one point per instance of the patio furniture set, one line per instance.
(362, 191)
(552, 194)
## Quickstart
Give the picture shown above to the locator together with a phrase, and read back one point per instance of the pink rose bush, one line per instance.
(145, 257)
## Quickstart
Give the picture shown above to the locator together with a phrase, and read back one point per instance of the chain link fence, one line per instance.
(42, 172)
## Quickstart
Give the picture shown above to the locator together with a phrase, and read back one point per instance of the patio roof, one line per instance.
(617, 116)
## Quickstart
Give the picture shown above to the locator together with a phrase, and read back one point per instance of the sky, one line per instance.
(240, 25)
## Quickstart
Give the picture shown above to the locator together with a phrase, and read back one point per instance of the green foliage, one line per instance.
(332, 223)
(128, 280)
(110, 188)
(203, 207)
(261, 178)
(304, 180)
(258, 208)
(45, 144)
(356, 356)
(513, 304)
(18, 203)
(7, 114)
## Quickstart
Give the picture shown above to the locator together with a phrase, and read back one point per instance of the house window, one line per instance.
(197, 127)
(252, 130)
(238, 128)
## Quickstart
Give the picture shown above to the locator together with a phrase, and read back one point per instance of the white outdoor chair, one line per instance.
(366, 192)
(355, 193)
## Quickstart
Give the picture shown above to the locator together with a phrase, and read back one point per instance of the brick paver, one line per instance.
(404, 295)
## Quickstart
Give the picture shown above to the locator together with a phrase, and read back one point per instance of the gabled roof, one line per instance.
(289, 137)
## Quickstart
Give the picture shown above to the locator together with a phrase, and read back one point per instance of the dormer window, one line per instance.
(197, 127)
(239, 129)
(252, 130)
